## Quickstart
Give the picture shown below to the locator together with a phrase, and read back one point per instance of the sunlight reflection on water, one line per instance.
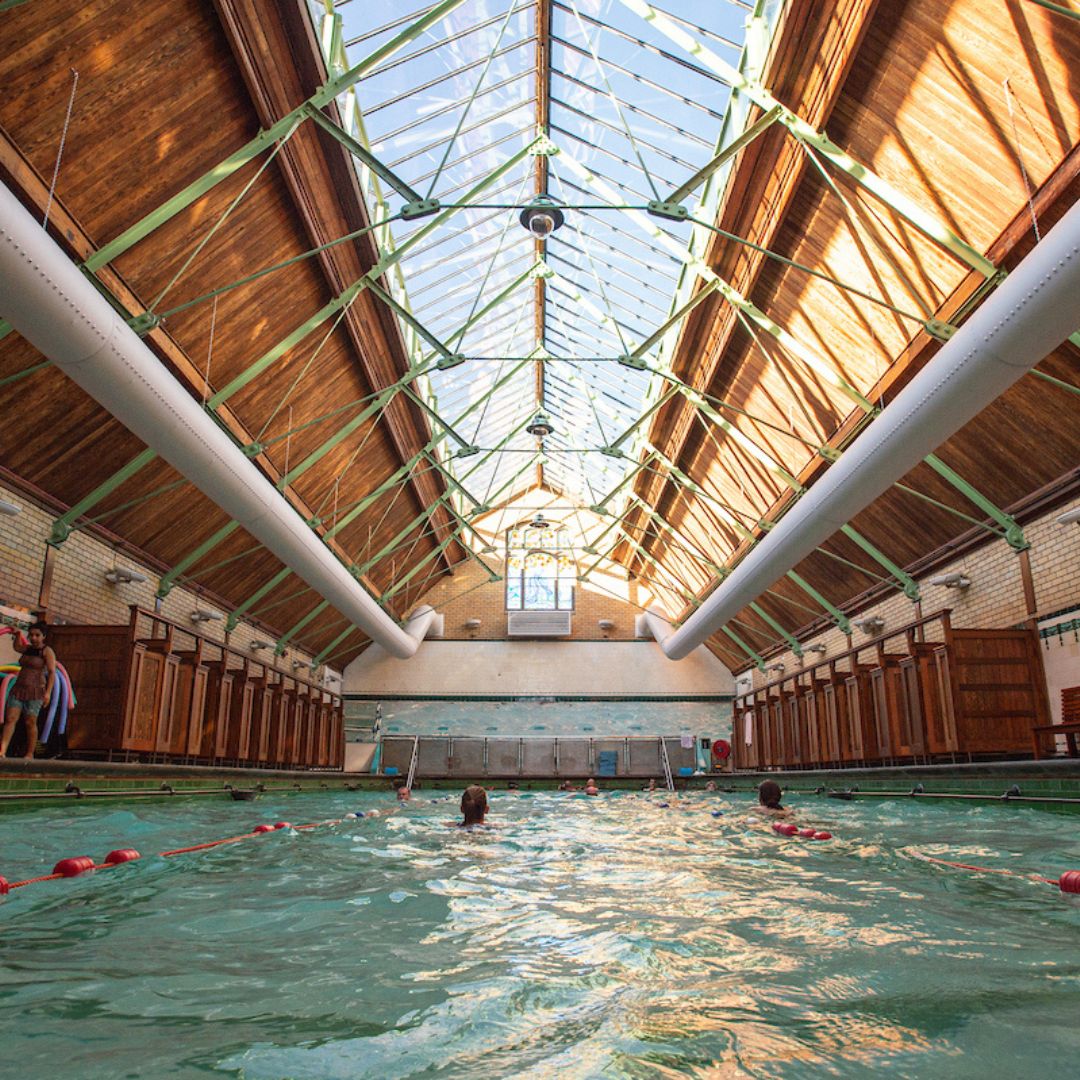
(580, 938)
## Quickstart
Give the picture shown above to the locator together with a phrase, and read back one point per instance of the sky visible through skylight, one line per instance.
(632, 117)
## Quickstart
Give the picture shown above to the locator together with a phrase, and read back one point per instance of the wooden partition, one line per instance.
(920, 693)
(158, 690)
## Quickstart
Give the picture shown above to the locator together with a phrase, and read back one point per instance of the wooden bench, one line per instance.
(1069, 726)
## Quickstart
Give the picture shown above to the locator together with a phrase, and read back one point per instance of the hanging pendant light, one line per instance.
(542, 217)
(540, 425)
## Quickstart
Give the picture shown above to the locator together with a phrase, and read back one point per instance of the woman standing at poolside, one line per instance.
(32, 689)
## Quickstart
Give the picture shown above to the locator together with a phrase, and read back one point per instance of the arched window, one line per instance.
(540, 568)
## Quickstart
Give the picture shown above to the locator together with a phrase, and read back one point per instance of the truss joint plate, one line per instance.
(936, 328)
(421, 208)
(670, 210)
(145, 323)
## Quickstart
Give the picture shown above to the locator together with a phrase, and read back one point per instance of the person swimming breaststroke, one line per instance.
(591, 788)
(474, 806)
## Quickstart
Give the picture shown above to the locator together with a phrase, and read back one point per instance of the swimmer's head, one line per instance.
(474, 805)
(769, 794)
(403, 794)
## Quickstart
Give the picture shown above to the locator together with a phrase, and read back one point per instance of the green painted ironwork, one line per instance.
(314, 613)
(745, 648)
(885, 192)
(264, 139)
(63, 525)
(169, 579)
(907, 583)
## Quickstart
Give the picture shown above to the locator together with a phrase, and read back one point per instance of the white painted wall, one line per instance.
(1061, 661)
(583, 668)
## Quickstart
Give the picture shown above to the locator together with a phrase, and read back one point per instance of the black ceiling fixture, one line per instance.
(542, 216)
(540, 425)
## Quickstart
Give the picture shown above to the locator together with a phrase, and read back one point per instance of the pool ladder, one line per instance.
(667, 764)
(412, 761)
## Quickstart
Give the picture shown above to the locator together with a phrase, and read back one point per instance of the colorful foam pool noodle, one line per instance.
(59, 704)
(5, 688)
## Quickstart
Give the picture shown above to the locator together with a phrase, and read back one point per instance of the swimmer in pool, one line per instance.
(474, 806)
(404, 794)
(652, 785)
(769, 800)
(710, 786)
(591, 788)
(566, 785)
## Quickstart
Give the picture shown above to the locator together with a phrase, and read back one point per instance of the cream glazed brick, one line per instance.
(995, 599)
(467, 594)
(22, 550)
(81, 593)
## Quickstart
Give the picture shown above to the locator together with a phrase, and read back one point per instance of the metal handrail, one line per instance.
(667, 764)
(412, 762)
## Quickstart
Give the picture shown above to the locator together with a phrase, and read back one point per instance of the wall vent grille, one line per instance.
(538, 623)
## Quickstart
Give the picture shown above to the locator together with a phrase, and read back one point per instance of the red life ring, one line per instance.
(721, 750)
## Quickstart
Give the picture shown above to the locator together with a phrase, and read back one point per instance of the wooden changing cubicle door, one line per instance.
(151, 688)
(294, 741)
(794, 736)
(141, 708)
(190, 702)
(337, 734)
(813, 753)
(284, 696)
(319, 754)
(848, 733)
(97, 658)
(261, 713)
(215, 727)
(859, 708)
(238, 733)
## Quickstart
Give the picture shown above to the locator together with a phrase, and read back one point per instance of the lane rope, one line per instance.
(80, 864)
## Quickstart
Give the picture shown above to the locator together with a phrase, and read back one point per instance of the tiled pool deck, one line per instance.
(21, 782)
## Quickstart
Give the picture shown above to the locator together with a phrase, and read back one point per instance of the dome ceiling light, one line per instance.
(542, 217)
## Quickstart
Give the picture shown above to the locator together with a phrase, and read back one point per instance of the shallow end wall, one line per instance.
(529, 668)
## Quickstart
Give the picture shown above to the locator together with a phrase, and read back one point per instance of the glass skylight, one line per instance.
(581, 100)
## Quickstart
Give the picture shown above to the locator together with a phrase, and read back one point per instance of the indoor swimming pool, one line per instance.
(607, 937)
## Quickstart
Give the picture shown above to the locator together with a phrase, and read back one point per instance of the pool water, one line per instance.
(607, 937)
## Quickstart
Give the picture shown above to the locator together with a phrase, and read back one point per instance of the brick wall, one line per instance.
(80, 593)
(468, 594)
(995, 599)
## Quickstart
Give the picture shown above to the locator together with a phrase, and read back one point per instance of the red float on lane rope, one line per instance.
(72, 867)
(121, 855)
(782, 828)
(1069, 882)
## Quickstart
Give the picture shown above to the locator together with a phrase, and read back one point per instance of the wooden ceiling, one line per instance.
(164, 94)
(914, 90)
(167, 90)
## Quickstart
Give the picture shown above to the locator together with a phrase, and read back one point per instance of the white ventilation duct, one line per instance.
(1031, 313)
(49, 301)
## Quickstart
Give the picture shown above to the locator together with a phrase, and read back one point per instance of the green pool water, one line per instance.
(605, 937)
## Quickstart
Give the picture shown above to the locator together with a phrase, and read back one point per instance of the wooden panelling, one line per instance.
(923, 692)
(142, 696)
